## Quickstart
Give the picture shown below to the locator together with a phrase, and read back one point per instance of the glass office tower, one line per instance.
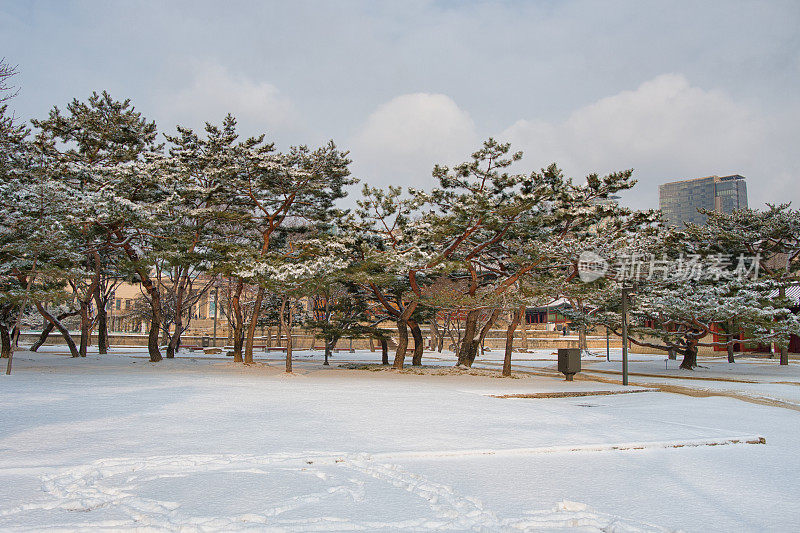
(680, 200)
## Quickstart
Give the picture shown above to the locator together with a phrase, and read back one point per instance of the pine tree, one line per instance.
(84, 145)
(772, 235)
(494, 228)
(35, 247)
(392, 259)
(673, 265)
(198, 175)
(299, 187)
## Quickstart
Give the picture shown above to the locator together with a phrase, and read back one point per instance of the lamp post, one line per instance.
(216, 298)
(625, 291)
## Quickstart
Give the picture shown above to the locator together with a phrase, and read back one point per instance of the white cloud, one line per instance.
(402, 140)
(213, 92)
(665, 129)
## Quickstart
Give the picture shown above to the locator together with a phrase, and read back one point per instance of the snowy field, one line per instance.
(201, 444)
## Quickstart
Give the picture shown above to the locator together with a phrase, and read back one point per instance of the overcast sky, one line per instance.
(673, 90)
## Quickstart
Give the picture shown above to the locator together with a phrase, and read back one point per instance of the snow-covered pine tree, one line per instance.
(301, 259)
(35, 247)
(392, 257)
(610, 232)
(198, 174)
(772, 235)
(84, 144)
(495, 228)
(680, 299)
(301, 186)
(338, 309)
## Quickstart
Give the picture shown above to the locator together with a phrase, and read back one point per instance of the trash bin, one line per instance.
(206, 341)
(569, 361)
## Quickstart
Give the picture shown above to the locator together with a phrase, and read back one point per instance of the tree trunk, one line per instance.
(419, 346)
(469, 339)
(102, 321)
(384, 351)
(165, 336)
(689, 357)
(238, 324)
(173, 341)
(289, 349)
(5, 341)
(238, 343)
(84, 328)
(152, 336)
(48, 328)
(468, 348)
(329, 344)
(524, 347)
(102, 332)
(402, 331)
(288, 329)
(512, 328)
(155, 319)
(174, 344)
(582, 339)
(731, 355)
(60, 327)
(251, 329)
(402, 344)
(488, 326)
(155, 301)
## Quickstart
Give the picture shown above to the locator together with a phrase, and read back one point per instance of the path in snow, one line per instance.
(338, 489)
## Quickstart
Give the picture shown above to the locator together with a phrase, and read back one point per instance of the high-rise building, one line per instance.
(680, 200)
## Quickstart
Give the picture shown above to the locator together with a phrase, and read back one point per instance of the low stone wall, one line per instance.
(496, 340)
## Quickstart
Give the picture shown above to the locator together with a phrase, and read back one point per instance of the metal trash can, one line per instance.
(205, 341)
(569, 361)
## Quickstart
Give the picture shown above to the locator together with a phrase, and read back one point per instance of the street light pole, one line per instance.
(625, 335)
(216, 298)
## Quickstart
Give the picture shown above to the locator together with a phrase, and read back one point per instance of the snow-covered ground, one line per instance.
(201, 443)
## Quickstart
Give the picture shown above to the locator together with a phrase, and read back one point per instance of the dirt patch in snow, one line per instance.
(570, 394)
(430, 370)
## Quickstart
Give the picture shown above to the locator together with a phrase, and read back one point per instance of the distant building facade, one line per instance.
(680, 200)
